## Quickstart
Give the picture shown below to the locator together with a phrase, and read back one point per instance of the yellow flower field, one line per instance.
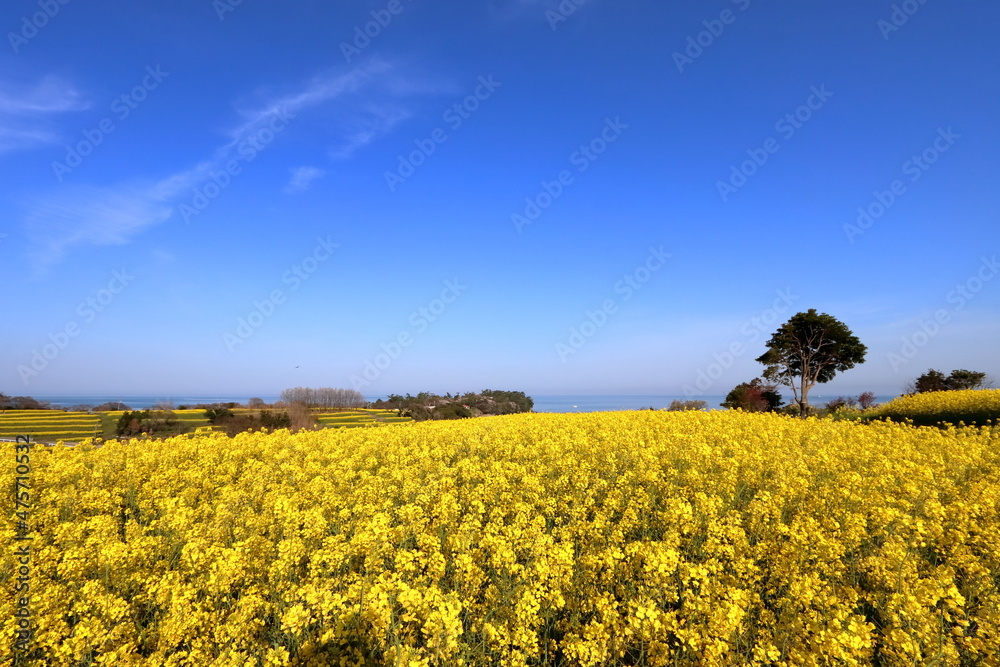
(630, 538)
(970, 406)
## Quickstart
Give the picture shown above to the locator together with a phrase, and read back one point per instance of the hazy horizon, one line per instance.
(542, 402)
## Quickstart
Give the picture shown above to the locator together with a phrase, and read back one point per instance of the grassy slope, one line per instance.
(968, 406)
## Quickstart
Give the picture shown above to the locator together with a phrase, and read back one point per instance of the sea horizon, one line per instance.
(562, 403)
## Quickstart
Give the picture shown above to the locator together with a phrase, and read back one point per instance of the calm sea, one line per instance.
(148, 401)
(543, 403)
(658, 402)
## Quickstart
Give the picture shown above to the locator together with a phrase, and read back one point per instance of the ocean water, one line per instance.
(543, 403)
(147, 401)
(566, 403)
(572, 403)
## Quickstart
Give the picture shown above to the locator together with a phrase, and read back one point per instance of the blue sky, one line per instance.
(575, 197)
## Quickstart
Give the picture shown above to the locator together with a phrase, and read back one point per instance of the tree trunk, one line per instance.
(804, 401)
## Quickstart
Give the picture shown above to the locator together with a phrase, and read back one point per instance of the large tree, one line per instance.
(810, 348)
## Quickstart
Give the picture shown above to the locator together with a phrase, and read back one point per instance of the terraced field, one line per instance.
(357, 418)
(49, 425)
(189, 419)
(55, 425)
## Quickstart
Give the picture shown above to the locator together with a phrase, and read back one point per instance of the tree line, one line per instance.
(325, 397)
(425, 405)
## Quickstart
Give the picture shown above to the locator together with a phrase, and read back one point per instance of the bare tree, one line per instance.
(300, 417)
(325, 397)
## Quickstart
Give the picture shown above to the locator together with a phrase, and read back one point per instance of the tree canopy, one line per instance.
(934, 380)
(810, 348)
(426, 405)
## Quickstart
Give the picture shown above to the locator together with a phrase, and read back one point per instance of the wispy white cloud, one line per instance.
(302, 178)
(50, 95)
(26, 112)
(357, 107)
(20, 136)
(321, 89)
(363, 129)
(82, 215)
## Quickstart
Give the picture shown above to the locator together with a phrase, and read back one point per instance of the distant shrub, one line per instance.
(233, 423)
(452, 411)
(687, 405)
(218, 415)
(22, 403)
(275, 420)
(842, 402)
(147, 422)
(754, 396)
(111, 406)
